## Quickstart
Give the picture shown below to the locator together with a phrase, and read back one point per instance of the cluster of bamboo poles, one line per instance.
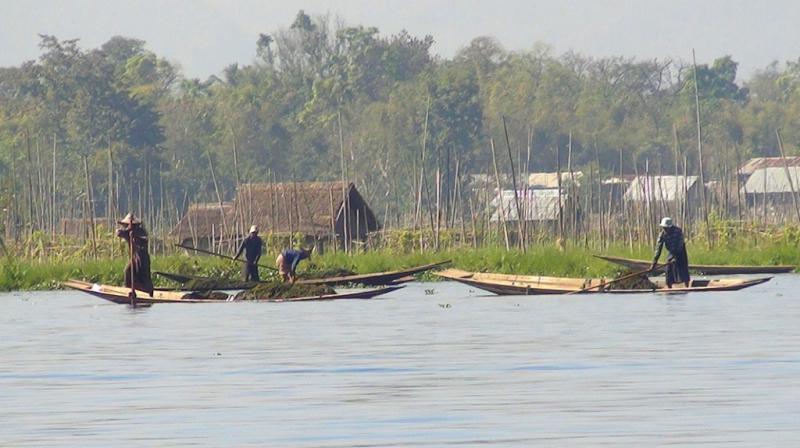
(591, 208)
(592, 211)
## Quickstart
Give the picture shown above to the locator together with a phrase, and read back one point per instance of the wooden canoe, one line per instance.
(118, 294)
(374, 279)
(705, 269)
(504, 284)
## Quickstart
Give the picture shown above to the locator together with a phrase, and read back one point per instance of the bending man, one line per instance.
(287, 263)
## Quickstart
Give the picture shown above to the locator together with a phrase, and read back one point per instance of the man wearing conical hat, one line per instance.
(251, 246)
(677, 270)
(137, 272)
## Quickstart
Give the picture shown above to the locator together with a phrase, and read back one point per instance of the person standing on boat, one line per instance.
(677, 270)
(288, 260)
(251, 246)
(138, 269)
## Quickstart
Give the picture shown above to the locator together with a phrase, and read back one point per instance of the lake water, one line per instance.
(436, 364)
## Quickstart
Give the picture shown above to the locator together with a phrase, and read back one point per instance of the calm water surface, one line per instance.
(432, 365)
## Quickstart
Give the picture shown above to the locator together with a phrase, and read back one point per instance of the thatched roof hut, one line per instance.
(81, 228)
(319, 209)
(322, 210)
(204, 220)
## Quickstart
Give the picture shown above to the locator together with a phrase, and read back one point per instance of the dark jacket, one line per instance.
(251, 246)
(677, 271)
(672, 239)
(138, 272)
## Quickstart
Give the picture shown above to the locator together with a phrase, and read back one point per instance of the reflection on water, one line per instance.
(407, 370)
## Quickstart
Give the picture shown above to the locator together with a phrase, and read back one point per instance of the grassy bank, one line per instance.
(576, 261)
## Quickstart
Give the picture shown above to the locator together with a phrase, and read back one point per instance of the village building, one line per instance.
(81, 228)
(536, 205)
(757, 163)
(540, 181)
(204, 225)
(322, 212)
(676, 196)
(773, 192)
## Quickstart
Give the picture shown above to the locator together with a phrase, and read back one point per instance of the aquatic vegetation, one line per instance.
(277, 289)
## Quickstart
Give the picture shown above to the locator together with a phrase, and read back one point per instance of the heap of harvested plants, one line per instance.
(281, 290)
(636, 282)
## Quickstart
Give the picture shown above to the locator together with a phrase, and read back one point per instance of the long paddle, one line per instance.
(624, 277)
(203, 251)
(132, 294)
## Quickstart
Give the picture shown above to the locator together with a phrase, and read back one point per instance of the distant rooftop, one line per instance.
(773, 180)
(767, 162)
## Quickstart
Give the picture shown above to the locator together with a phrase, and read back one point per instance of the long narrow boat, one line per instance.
(119, 294)
(374, 279)
(503, 284)
(705, 269)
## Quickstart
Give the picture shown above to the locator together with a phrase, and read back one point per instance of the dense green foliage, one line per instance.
(772, 248)
(321, 99)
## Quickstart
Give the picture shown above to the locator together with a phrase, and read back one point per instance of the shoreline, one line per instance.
(35, 275)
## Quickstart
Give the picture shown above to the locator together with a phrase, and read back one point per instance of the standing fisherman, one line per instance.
(137, 272)
(288, 260)
(252, 253)
(677, 270)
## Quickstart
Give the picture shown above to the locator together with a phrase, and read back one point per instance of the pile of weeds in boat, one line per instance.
(640, 281)
(281, 290)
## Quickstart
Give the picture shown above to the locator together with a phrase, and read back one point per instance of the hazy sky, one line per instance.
(203, 36)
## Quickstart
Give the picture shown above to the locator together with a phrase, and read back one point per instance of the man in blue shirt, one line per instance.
(677, 262)
(288, 260)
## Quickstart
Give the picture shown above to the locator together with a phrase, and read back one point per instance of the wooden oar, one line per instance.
(624, 277)
(132, 294)
(203, 251)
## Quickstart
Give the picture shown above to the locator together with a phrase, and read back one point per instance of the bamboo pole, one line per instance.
(110, 185)
(502, 213)
(216, 190)
(418, 217)
(788, 175)
(700, 152)
(561, 241)
(90, 205)
(54, 217)
(520, 217)
(739, 208)
(527, 179)
(345, 205)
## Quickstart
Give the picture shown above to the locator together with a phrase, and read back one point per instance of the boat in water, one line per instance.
(120, 295)
(705, 269)
(506, 284)
(373, 279)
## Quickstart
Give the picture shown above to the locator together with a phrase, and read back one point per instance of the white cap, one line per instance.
(666, 222)
(254, 229)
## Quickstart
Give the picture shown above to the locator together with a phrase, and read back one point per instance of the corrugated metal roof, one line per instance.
(757, 163)
(773, 180)
(536, 205)
(659, 188)
(550, 180)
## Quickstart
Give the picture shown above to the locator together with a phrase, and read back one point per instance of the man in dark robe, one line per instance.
(251, 246)
(677, 270)
(137, 272)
